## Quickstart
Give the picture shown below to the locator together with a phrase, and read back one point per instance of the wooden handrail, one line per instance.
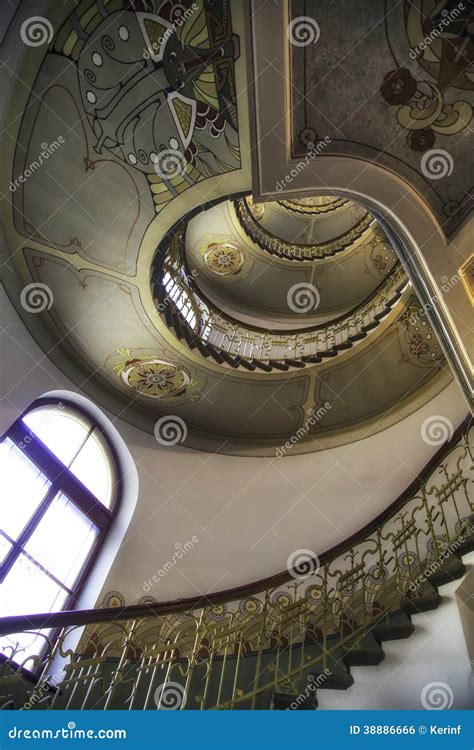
(20, 623)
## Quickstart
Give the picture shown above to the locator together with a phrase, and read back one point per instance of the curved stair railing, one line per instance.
(217, 336)
(293, 250)
(271, 644)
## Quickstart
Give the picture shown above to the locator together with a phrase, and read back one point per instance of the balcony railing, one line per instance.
(226, 340)
(258, 645)
(293, 250)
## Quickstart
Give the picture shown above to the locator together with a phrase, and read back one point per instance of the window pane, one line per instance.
(25, 591)
(24, 486)
(63, 540)
(93, 467)
(5, 548)
(63, 431)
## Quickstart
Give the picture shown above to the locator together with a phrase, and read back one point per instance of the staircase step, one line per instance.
(365, 651)
(453, 569)
(287, 701)
(421, 601)
(394, 627)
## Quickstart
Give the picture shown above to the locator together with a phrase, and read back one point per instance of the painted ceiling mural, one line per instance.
(412, 106)
(134, 111)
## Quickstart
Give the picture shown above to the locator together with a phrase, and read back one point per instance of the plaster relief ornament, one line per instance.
(223, 258)
(158, 91)
(155, 378)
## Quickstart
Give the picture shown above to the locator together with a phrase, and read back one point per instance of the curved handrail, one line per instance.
(292, 250)
(205, 326)
(461, 439)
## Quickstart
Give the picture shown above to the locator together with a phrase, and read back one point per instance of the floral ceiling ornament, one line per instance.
(442, 47)
(155, 378)
(223, 258)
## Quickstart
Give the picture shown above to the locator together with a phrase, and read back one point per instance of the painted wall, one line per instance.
(248, 514)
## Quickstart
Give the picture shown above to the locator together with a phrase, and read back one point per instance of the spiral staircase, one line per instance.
(269, 645)
(219, 335)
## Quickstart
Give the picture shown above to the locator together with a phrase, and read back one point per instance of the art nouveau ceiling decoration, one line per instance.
(294, 317)
(386, 121)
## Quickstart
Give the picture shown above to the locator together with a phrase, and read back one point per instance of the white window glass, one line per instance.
(24, 486)
(63, 540)
(5, 547)
(93, 467)
(26, 590)
(63, 431)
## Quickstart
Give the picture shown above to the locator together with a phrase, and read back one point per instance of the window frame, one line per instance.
(64, 481)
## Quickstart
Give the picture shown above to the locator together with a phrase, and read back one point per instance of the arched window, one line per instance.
(61, 489)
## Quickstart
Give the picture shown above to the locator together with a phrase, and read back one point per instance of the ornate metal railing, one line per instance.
(290, 633)
(216, 335)
(293, 250)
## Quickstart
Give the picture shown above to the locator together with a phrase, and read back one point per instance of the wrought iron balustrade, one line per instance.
(289, 634)
(228, 341)
(294, 250)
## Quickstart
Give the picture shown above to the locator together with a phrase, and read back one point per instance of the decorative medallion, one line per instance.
(218, 612)
(114, 599)
(315, 594)
(154, 378)
(223, 259)
(419, 341)
(250, 606)
(282, 598)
